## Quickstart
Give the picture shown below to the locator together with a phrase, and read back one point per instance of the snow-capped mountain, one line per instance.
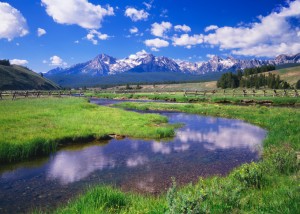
(104, 65)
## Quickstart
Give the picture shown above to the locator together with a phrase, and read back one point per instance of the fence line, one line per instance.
(38, 94)
(187, 92)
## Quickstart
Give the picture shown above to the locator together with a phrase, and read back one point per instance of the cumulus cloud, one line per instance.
(187, 41)
(94, 36)
(211, 27)
(271, 35)
(79, 12)
(18, 61)
(156, 43)
(57, 61)
(135, 14)
(160, 29)
(134, 30)
(41, 32)
(183, 28)
(12, 23)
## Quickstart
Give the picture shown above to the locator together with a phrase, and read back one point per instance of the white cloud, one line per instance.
(183, 28)
(272, 35)
(187, 41)
(154, 49)
(160, 29)
(12, 23)
(45, 61)
(137, 54)
(76, 42)
(135, 14)
(134, 30)
(156, 43)
(18, 61)
(148, 5)
(94, 36)
(57, 61)
(41, 32)
(79, 12)
(211, 27)
(210, 56)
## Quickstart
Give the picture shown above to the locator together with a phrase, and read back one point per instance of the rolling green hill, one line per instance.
(16, 77)
(290, 74)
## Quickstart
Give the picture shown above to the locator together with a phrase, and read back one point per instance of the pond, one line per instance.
(204, 146)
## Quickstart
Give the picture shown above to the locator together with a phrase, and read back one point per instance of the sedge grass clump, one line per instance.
(186, 201)
(282, 159)
(250, 175)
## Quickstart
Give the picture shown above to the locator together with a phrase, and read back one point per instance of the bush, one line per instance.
(187, 201)
(251, 175)
(282, 159)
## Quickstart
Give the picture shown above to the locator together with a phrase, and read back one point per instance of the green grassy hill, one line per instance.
(16, 77)
(291, 74)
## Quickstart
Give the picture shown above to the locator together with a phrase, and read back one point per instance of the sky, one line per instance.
(44, 34)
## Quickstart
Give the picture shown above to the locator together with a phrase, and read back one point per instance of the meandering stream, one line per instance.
(204, 146)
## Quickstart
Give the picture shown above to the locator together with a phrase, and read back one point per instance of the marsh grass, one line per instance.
(34, 127)
(104, 199)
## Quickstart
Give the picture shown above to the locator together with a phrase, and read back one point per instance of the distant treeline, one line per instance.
(4, 62)
(253, 78)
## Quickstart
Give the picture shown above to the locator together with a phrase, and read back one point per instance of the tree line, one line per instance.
(4, 62)
(253, 78)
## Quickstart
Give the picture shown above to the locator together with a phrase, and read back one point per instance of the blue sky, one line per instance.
(43, 34)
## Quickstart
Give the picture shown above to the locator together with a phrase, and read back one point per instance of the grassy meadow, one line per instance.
(34, 127)
(31, 127)
(219, 97)
(269, 186)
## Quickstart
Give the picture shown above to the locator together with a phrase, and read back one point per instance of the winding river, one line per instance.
(204, 146)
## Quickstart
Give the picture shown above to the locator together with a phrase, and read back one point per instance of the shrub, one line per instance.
(282, 159)
(251, 175)
(187, 201)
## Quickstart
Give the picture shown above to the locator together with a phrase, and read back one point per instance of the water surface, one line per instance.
(204, 146)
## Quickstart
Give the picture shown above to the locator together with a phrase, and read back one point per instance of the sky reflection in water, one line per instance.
(208, 133)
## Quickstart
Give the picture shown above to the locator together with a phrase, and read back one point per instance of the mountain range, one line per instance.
(92, 71)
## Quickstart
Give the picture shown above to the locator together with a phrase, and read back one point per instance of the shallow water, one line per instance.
(204, 146)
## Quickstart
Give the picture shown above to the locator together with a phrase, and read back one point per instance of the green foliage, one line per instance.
(250, 175)
(4, 62)
(103, 199)
(34, 127)
(187, 201)
(257, 70)
(228, 80)
(249, 78)
(283, 159)
(297, 86)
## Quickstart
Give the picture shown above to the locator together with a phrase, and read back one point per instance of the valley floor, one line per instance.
(31, 127)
